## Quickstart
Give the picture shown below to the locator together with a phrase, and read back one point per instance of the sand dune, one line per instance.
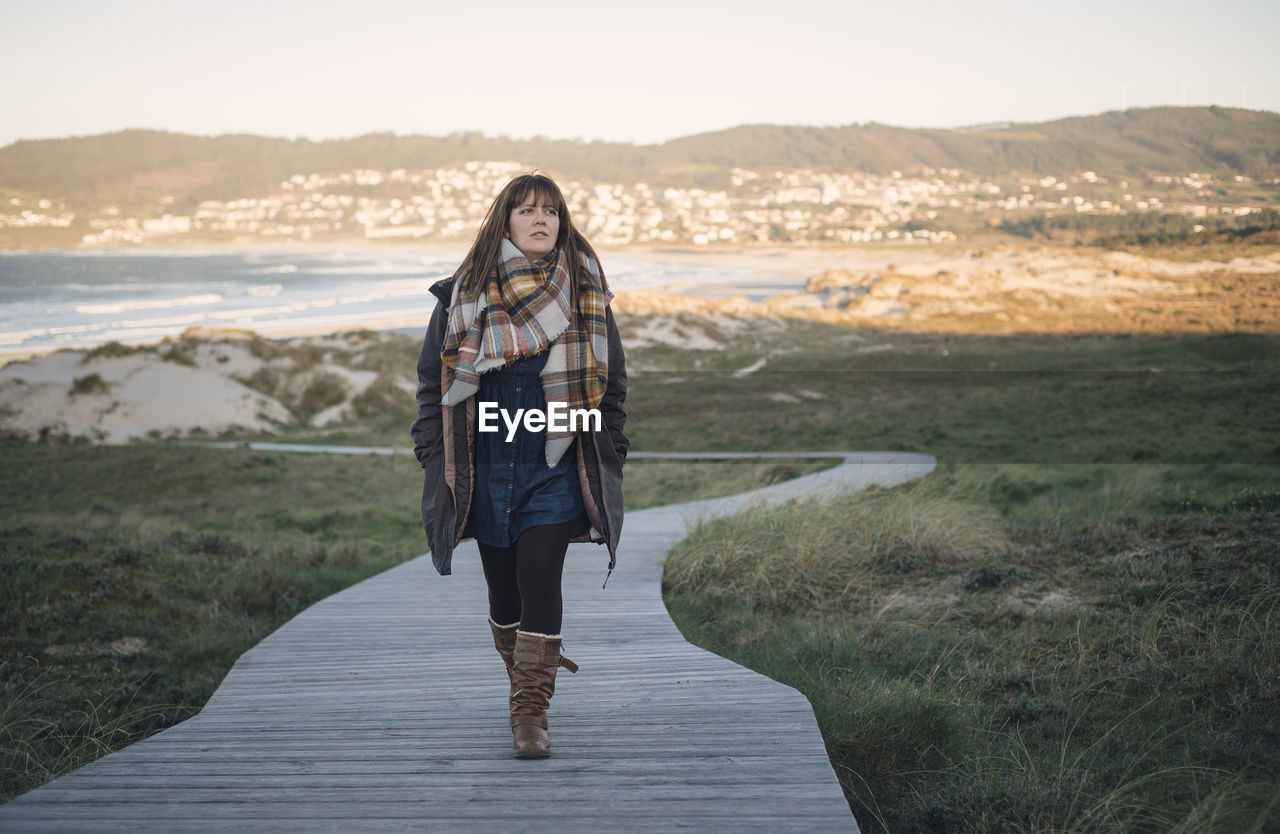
(207, 383)
(122, 398)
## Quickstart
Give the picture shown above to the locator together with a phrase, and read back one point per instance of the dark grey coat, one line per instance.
(444, 439)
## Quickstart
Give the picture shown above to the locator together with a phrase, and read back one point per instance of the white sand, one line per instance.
(123, 398)
(140, 395)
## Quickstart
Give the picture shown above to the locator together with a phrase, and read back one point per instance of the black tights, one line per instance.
(524, 579)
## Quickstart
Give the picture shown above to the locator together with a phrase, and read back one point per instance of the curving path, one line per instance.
(382, 708)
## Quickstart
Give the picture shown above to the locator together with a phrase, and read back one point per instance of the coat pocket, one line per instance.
(437, 499)
(612, 451)
(610, 483)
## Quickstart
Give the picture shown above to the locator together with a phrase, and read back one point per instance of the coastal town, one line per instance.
(757, 207)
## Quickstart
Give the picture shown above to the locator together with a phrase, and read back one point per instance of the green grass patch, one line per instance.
(1019, 647)
(135, 576)
(973, 398)
(653, 482)
(1072, 630)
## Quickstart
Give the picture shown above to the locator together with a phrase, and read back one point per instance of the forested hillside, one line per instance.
(139, 166)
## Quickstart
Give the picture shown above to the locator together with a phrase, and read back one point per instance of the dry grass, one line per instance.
(817, 550)
(1089, 648)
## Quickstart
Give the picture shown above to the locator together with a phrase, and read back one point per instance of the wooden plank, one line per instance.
(426, 819)
(383, 708)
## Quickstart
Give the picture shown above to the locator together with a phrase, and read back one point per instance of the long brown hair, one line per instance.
(482, 258)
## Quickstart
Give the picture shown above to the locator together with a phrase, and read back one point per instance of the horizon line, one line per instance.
(991, 125)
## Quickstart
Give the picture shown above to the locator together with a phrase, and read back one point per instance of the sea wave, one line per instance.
(387, 289)
(383, 268)
(19, 337)
(627, 274)
(46, 304)
(141, 285)
(147, 304)
(167, 323)
(249, 313)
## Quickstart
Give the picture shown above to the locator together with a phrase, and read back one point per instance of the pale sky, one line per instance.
(636, 71)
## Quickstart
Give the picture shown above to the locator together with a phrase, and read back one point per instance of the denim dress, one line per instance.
(515, 490)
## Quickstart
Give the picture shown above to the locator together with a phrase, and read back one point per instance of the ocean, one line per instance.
(80, 299)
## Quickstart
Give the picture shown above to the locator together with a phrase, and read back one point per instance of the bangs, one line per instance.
(541, 190)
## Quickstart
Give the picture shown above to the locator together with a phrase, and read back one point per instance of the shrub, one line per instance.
(326, 389)
(86, 385)
(383, 394)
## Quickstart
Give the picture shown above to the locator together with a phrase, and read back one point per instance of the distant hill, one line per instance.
(1166, 140)
(135, 167)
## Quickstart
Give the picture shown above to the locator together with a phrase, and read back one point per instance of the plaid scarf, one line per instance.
(521, 310)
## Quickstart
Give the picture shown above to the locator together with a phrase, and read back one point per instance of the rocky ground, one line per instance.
(1013, 290)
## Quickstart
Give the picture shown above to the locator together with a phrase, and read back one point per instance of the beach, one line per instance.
(81, 299)
(114, 346)
(117, 346)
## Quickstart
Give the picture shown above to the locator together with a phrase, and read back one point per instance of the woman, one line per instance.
(523, 324)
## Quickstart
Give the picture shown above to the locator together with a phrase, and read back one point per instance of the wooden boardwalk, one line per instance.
(383, 708)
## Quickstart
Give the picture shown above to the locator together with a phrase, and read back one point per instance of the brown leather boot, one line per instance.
(537, 657)
(504, 640)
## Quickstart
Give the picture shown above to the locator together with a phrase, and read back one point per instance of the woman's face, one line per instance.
(533, 226)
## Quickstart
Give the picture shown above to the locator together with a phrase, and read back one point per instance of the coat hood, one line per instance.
(443, 290)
